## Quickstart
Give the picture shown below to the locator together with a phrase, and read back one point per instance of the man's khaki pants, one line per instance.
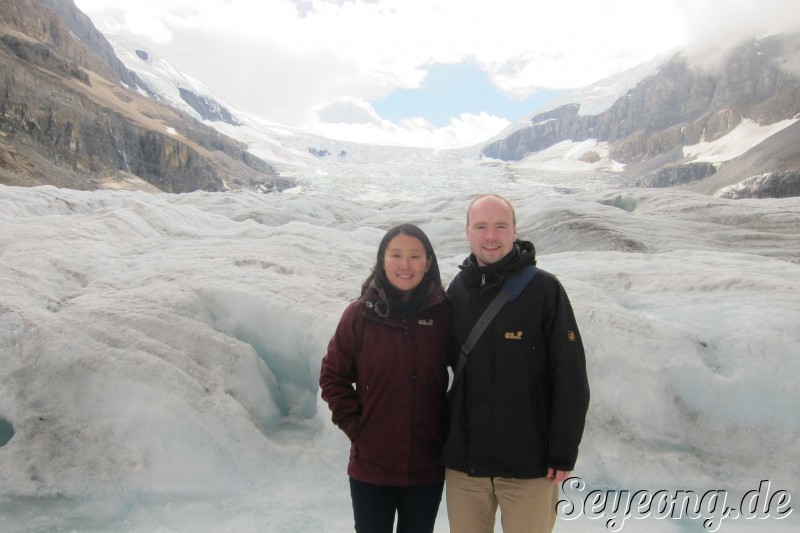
(526, 505)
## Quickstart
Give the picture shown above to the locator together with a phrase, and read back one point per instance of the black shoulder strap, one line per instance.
(512, 288)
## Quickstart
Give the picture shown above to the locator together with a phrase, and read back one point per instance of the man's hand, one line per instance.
(557, 476)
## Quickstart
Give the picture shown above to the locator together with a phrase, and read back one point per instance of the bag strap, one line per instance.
(512, 288)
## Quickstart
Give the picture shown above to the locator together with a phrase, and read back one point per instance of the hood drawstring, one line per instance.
(382, 305)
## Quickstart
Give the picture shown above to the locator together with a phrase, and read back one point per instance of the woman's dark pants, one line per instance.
(374, 507)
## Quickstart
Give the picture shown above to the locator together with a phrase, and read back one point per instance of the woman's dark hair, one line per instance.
(378, 274)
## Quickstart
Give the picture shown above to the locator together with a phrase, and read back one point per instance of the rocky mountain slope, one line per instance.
(681, 105)
(72, 115)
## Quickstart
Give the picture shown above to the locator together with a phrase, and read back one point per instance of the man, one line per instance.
(517, 411)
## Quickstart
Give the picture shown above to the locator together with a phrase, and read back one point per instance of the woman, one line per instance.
(384, 378)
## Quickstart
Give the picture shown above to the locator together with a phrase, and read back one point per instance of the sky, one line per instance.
(160, 353)
(415, 72)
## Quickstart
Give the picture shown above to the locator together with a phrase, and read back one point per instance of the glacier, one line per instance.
(159, 353)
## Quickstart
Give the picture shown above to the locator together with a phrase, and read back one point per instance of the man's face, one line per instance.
(491, 231)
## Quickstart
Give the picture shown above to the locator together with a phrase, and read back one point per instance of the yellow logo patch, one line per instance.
(514, 336)
(571, 336)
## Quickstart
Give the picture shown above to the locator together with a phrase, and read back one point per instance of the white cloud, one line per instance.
(734, 19)
(390, 39)
(734, 22)
(468, 129)
(281, 58)
(465, 130)
(348, 111)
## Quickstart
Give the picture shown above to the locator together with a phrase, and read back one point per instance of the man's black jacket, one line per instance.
(521, 403)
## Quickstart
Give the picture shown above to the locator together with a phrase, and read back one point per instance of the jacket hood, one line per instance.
(522, 254)
(384, 302)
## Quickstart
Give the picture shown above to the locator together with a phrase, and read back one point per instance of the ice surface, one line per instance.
(159, 353)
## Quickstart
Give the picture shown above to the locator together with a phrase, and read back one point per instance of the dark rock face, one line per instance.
(676, 175)
(207, 108)
(772, 185)
(545, 130)
(70, 115)
(101, 54)
(319, 152)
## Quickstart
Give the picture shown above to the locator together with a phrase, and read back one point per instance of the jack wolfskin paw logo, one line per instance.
(514, 336)
(571, 336)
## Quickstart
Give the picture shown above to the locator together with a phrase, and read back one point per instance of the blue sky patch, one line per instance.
(451, 89)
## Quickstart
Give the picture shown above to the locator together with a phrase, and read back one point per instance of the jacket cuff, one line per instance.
(560, 464)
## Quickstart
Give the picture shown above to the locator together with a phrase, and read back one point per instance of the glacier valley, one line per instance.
(159, 353)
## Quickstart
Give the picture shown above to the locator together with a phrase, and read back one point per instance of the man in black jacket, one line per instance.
(517, 411)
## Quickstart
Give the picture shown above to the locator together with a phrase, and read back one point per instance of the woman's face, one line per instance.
(405, 263)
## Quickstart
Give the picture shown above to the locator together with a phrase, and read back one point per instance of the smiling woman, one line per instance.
(384, 378)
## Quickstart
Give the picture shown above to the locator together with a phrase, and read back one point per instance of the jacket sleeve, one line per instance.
(338, 374)
(570, 385)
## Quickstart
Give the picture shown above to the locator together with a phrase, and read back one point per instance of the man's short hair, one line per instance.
(503, 198)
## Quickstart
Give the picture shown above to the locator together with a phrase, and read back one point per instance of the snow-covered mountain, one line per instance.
(580, 131)
(657, 122)
(281, 145)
